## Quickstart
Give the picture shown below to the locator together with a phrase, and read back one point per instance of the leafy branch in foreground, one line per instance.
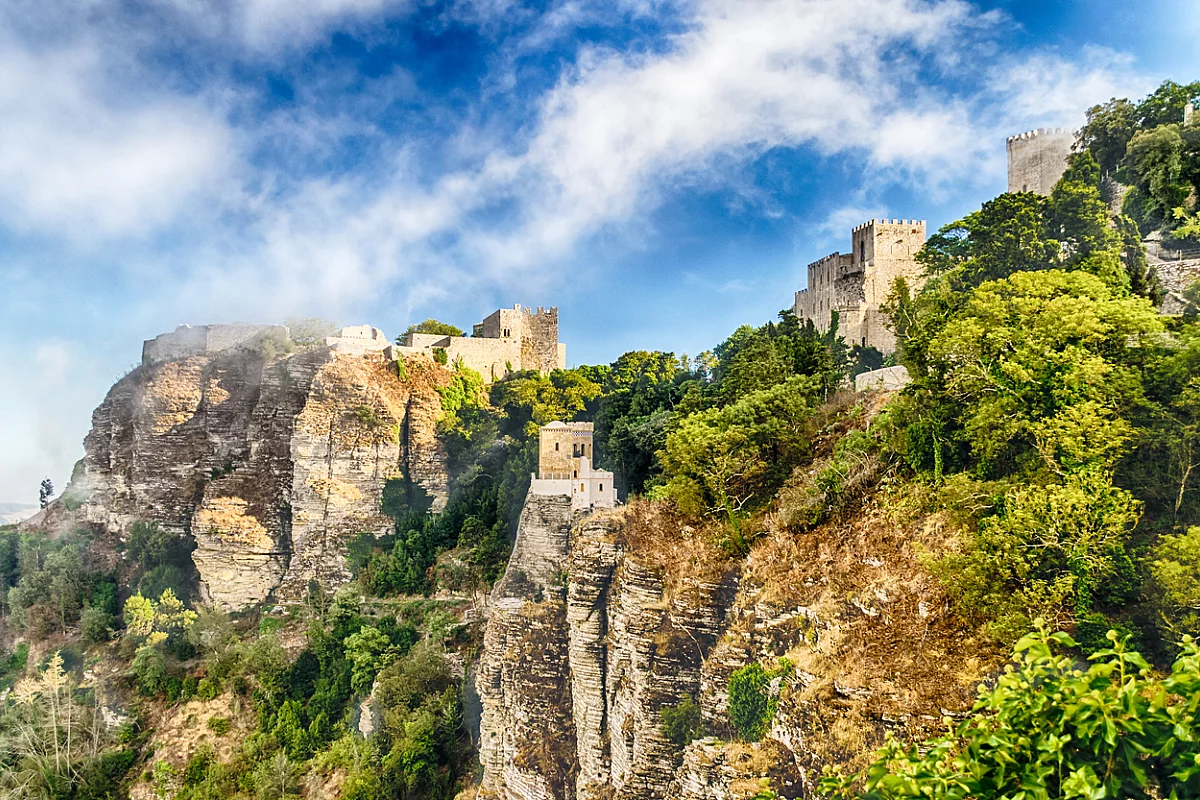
(1050, 730)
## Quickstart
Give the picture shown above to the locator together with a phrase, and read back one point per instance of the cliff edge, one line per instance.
(271, 460)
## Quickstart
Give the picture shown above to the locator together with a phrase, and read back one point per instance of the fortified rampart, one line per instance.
(508, 340)
(857, 283)
(186, 341)
(1038, 158)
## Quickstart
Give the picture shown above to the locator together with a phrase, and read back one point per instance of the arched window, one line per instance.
(602, 487)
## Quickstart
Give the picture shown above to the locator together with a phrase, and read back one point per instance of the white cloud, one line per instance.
(1048, 90)
(76, 159)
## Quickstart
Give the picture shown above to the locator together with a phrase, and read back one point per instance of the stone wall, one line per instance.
(539, 340)
(1176, 276)
(187, 341)
(508, 340)
(1037, 159)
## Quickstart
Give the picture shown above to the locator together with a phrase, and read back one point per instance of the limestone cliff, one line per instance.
(603, 620)
(271, 462)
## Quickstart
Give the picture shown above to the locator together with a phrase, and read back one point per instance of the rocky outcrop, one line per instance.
(271, 462)
(604, 620)
(584, 647)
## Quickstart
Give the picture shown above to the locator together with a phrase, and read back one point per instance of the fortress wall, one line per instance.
(184, 341)
(491, 358)
(187, 341)
(226, 337)
(1037, 159)
(820, 297)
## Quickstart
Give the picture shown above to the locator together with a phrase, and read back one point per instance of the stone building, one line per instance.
(1037, 159)
(856, 284)
(509, 340)
(565, 467)
(359, 340)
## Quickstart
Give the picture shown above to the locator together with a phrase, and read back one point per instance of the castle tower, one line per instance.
(857, 283)
(1037, 159)
(565, 457)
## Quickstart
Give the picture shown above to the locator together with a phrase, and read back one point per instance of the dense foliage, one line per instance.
(1049, 729)
(1147, 147)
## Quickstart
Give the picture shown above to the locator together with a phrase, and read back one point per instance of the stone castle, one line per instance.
(855, 284)
(509, 340)
(565, 456)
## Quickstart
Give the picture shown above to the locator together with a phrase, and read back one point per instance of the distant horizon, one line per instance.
(632, 163)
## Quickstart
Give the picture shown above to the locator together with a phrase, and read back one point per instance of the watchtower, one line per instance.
(1038, 158)
(565, 466)
(857, 283)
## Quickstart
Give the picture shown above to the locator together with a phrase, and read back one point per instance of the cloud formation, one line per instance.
(147, 136)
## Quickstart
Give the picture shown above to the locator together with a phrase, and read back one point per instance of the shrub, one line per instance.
(197, 766)
(219, 725)
(681, 723)
(1048, 729)
(96, 625)
(753, 700)
(207, 689)
(439, 355)
(151, 670)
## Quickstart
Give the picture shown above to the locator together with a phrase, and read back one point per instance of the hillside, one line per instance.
(283, 569)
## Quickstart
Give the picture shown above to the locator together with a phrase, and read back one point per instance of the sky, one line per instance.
(660, 170)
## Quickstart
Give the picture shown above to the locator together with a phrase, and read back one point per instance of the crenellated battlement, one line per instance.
(1036, 132)
(1038, 158)
(880, 222)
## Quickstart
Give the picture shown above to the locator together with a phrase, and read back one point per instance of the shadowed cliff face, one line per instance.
(271, 463)
(603, 620)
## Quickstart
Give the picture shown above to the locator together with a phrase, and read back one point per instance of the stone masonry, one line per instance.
(186, 341)
(509, 340)
(565, 454)
(1037, 159)
(857, 283)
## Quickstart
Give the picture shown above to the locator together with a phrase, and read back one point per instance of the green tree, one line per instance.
(1109, 128)
(433, 326)
(1043, 365)
(1175, 567)
(1047, 729)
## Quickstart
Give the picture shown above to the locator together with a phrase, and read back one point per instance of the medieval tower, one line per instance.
(857, 283)
(1037, 159)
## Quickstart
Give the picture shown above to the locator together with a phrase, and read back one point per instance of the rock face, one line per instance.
(584, 646)
(601, 621)
(271, 462)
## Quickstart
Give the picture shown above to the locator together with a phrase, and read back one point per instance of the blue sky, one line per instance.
(661, 171)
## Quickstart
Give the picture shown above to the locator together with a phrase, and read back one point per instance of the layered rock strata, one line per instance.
(583, 648)
(603, 621)
(271, 462)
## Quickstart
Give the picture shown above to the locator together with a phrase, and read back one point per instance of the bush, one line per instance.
(219, 725)
(151, 670)
(197, 766)
(753, 701)
(96, 625)
(681, 723)
(207, 689)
